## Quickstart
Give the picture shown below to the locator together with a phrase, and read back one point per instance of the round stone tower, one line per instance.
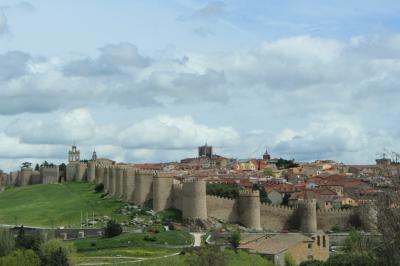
(25, 176)
(129, 184)
(80, 172)
(308, 214)
(106, 180)
(91, 171)
(119, 182)
(111, 179)
(143, 186)
(99, 179)
(162, 191)
(249, 209)
(194, 200)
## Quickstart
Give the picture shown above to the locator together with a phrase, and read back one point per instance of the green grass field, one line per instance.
(231, 258)
(133, 240)
(54, 205)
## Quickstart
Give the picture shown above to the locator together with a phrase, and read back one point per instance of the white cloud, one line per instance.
(328, 137)
(168, 132)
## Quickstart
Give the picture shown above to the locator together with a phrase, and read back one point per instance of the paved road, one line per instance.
(197, 239)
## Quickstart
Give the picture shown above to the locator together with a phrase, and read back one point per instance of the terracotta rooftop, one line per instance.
(271, 244)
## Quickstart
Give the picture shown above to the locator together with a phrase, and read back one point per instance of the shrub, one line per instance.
(150, 238)
(28, 241)
(289, 261)
(99, 188)
(7, 242)
(20, 258)
(55, 252)
(153, 230)
(113, 229)
(312, 263)
(351, 260)
(235, 239)
(210, 255)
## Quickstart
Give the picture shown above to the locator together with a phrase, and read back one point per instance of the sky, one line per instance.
(149, 81)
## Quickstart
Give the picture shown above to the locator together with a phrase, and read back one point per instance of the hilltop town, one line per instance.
(299, 206)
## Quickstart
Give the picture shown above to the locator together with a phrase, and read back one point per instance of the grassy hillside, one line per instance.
(53, 205)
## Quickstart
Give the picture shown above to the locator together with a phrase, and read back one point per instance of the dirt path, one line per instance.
(136, 260)
(197, 239)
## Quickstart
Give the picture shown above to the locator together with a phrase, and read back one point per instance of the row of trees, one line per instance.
(34, 250)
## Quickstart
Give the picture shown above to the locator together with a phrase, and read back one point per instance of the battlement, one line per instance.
(307, 201)
(219, 197)
(27, 169)
(49, 167)
(164, 175)
(249, 193)
(277, 207)
(335, 211)
(145, 172)
(192, 180)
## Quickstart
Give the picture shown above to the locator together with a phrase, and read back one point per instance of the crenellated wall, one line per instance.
(326, 219)
(139, 186)
(49, 175)
(223, 208)
(275, 217)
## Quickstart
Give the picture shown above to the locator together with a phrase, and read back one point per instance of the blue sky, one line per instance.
(151, 80)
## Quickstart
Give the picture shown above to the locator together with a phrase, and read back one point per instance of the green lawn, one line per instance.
(54, 205)
(133, 240)
(240, 258)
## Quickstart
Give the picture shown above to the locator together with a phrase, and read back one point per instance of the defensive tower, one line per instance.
(194, 200)
(91, 171)
(25, 176)
(162, 191)
(308, 214)
(129, 184)
(143, 186)
(249, 206)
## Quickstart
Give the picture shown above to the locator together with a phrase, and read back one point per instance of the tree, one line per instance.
(312, 263)
(263, 194)
(208, 256)
(268, 172)
(26, 165)
(223, 190)
(388, 213)
(20, 258)
(235, 239)
(285, 164)
(37, 167)
(99, 188)
(55, 252)
(351, 260)
(289, 261)
(28, 241)
(7, 242)
(113, 229)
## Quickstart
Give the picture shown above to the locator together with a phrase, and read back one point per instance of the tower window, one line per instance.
(323, 241)
(319, 241)
(309, 245)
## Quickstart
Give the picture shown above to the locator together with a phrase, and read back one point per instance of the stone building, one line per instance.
(275, 247)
